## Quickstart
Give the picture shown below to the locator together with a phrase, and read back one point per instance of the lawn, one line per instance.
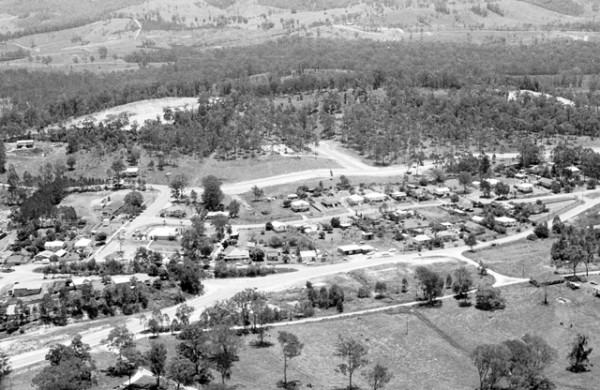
(522, 258)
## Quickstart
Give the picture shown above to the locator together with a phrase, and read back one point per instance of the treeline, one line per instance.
(41, 98)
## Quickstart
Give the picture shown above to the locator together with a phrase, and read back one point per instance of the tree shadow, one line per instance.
(261, 344)
(291, 385)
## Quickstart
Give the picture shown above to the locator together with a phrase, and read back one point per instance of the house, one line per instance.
(473, 228)
(173, 212)
(448, 235)
(345, 225)
(163, 233)
(328, 202)
(375, 197)
(492, 182)
(25, 289)
(441, 191)
(477, 219)
(44, 255)
(354, 200)
(292, 196)
(279, 226)
(573, 169)
(524, 187)
(399, 196)
(60, 253)
(272, 255)
(235, 254)
(126, 279)
(300, 205)
(545, 182)
(367, 235)
(349, 249)
(25, 143)
(505, 221)
(54, 245)
(83, 245)
(130, 172)
(112, 209)
(308, 256)
(420, 239)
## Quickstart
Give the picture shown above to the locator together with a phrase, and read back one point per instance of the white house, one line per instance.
(83, 245)
(54, 245)
(163, 233)
(525, 187)
(375, 197)
(308, 256)
(477, 219)
(505, 221)
(398, 195)
(420, 239)
(25, 143)
(130, 172)
(212, 214)
(300, 205)
(279, 226)
(441, 191)
(355, 199)
(235, 254)
(492, 182)
(292, 196)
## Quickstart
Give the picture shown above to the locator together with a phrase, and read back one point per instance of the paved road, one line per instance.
(221, 289)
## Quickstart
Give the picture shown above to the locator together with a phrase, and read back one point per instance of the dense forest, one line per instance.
(393, 96)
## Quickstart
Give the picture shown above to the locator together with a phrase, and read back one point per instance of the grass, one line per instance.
(522, 258)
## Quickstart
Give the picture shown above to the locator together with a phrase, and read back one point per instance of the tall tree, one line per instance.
(462, 282)
(212, 195)
(291, 347)
(181, 371)
(353, 353)
(224, 350)
(492, 363)
(178, 185)
(258, 193)
(432, 283)
(157, 359)
(2, 158)
(465, 179)
(5, 367)
(120, 339)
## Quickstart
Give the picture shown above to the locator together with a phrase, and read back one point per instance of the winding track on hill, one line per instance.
(221, 289)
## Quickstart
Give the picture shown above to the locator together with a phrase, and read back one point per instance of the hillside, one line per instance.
(94, 35)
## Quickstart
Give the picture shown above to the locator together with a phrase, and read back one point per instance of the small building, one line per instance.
(235, 234)
(345, 225)
(473, 228)
(349, 249)
(375, 197)
(60, 253)
(83, 245)
(25, 144)
(399, 196)
(308, 256)
(279, 227)
(235, 254)
(355, 199)
(25, 289)
(505, 221)
(441, 191)
(492, 182)
(366, 249)
(573, 169)
(420, 239)
(126, 279)
(300, 205)
(447, 235)
(163, 233)
(54, 245)
(130, 172)
(44, 255)
(292, 196)
(367, 235)
(524, 187)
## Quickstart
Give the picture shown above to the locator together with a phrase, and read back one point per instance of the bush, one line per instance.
(335, 222)
(364, 292)
(489, 299)
(532, 237)
(541, 230)
(499, 229)
(268, 226)
(287, 203)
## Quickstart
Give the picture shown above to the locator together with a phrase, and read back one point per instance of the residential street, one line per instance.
(221, 289)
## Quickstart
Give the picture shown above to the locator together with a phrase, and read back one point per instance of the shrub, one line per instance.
(335, 222)
(275, 242)
(489, 298)
(532, 237)
(541, 230)
(364, 292)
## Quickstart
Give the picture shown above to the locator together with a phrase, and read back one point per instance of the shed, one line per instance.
(83, 245)
(367, 235)
(477, 219)
(25, 289)
(492, 182)
(113, 208)
(25, 143)
(213, 214)
(300, 205)
(60, 253)
(292, 196)
(44, 255)
(545, 182)
(272, 255)
(130, 172)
